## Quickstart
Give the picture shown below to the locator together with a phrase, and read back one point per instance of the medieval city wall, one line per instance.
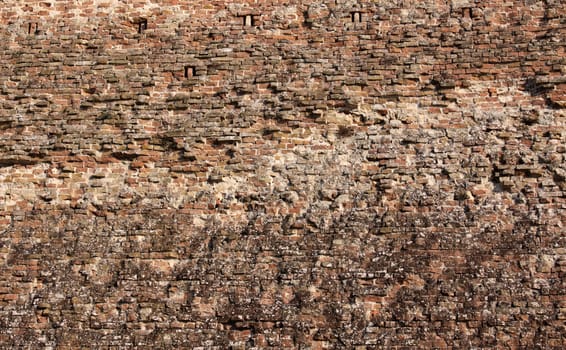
(282, 174)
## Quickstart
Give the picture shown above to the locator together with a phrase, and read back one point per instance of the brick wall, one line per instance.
(282, 174)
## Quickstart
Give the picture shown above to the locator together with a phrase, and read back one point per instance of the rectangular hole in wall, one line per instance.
(189, 71)
(33, 28)
(356, 17)
(142, 25)
(249, 20)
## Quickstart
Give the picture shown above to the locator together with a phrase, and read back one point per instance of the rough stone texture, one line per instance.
(337, 175)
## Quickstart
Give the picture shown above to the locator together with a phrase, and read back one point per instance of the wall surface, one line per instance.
(282, 174)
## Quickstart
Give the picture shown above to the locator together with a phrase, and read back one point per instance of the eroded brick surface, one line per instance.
(282, 174)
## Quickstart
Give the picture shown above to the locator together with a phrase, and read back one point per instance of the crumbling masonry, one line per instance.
(282, 174)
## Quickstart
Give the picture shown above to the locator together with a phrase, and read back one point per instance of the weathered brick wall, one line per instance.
(336, 174)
